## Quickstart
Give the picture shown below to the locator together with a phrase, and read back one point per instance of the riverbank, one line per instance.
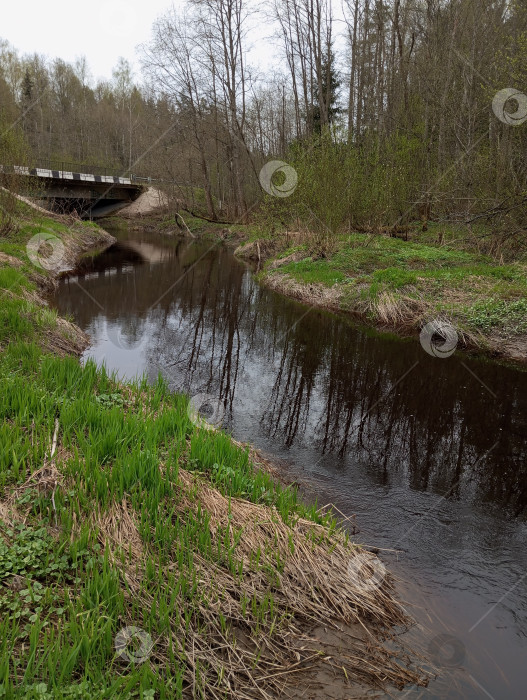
(402, 285)
(121, 518)
(392, 283)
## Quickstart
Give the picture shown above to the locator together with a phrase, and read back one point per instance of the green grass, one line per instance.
(117, 443)
(115, 438)
(21, 317)
(384, 258)
(358, 254)
(479, 295)
(492, 313)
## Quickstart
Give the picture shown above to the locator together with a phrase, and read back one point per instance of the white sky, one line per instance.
(101, 30)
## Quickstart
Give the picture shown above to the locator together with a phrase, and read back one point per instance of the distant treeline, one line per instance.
(396, 111)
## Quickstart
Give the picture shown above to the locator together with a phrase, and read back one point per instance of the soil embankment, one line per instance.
(149, 202)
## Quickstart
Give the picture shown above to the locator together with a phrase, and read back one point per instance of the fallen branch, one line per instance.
(205, 218)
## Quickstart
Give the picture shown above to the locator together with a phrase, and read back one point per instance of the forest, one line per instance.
(389, 112)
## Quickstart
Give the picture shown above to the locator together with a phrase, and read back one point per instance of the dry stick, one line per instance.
(293, 668)
(185, 224)
(212, 221)
(261, 690)
(193, 669)
(53, 448)
(55, 434)
(332, 506)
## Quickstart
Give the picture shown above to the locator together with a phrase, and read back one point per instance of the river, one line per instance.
(428, 455)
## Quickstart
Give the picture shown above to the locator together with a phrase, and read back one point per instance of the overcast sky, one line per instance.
(102, 30)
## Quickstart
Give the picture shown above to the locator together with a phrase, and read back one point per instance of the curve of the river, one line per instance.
(428, 454)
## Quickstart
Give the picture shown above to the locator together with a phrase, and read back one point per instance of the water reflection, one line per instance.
(314, 380)
(436, 462)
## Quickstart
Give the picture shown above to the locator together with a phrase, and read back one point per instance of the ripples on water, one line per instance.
(430, 458)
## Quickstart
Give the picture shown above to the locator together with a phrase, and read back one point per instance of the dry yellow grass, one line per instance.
(226, 649)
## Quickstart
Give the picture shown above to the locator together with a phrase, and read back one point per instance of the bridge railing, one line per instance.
(70, 167)
(64, 167)
(84, 168)
(91, 169)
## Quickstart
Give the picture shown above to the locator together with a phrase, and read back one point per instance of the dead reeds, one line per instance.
(261, 588)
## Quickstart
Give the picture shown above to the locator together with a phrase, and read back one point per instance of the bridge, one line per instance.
(91, 191)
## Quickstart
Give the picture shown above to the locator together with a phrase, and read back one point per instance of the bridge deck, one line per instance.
(90, 194)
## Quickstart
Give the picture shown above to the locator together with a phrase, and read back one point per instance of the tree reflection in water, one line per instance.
(312, 380)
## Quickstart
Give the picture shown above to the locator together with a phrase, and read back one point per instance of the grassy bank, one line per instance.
(403, 284)
(388, 281)
(144, 556)
(23, 314)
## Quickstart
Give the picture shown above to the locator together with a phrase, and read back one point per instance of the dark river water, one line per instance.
(429, 454)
